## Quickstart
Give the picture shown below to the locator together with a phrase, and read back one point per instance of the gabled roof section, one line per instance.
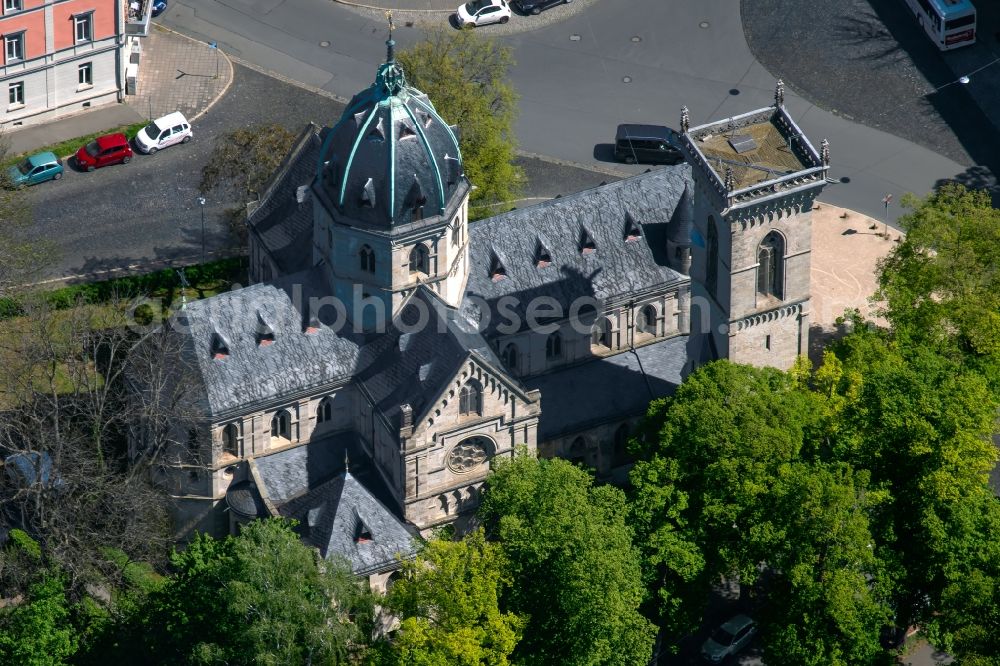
(252, 373)
(341, 517)
(282, 223)
(411, 363)
(615, 269)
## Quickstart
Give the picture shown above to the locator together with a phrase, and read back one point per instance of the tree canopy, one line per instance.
(447, 601)
(574, 570)
(465, 76)
(260, 597)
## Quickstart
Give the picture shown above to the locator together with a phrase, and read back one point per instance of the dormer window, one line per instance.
(265, 334)
(368, 194)
(587, 244)
(406, 132)
(361, 532)
(632, 232)
(219, 346)
(497, 270)
(310, 319)
(376, 133)
(542, 256)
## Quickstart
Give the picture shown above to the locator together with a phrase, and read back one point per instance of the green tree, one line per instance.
(574, 569)
(920, 424)
(708, 457)
(941, 285)
(465, 76)
(242, 165)
(447, 601)
(39, 631)
(259, 598)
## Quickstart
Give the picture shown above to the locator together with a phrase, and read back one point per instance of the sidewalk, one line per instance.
(175, 74)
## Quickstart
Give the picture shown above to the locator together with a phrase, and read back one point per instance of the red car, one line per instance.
(104, 150)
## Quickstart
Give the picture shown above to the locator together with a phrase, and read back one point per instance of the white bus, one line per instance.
(950, 23)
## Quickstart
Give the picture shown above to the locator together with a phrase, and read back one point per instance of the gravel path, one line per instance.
(869, 61)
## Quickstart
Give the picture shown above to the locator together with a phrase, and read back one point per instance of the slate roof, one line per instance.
(285, 226)
(412, 367)
(250, 372)
(600, 390)
(291, 473)
(310, 483)
(615, 269)
(341, 517)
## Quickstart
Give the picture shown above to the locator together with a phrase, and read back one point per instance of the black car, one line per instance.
(536, 6)
(650, 144)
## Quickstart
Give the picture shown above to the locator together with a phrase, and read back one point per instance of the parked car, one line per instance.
(650, 144)
(731, 637)
(537, 6)
(162, 132)
(483, 12)
(36, 169)
(159, 6)
(104, 150)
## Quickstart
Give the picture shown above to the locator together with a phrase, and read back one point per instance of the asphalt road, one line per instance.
(615, 62)
(146, 213)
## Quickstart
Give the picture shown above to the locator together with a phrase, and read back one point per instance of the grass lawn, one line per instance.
(70, 146)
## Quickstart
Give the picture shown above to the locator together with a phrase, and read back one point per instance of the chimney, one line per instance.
(405, 420)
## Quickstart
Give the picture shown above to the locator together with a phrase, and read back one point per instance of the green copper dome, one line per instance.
(390, 159)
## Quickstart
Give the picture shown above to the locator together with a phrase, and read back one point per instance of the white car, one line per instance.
(162, 132)
(483, 12)
(728, 639)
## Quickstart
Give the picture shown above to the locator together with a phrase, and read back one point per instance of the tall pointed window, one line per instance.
(510, 357)
(712, 269)
(646, 322)
(281, 425)
(470, 399)
(367, 257)
(600, 334)
(420, 259)
(230, 439)
(553, 346)
(770, 265)
(324, 413)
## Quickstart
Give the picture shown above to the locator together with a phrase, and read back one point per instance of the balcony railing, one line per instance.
(138, 13)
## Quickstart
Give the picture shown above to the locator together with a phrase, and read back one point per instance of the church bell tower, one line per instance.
(756, 178)
(393, 201)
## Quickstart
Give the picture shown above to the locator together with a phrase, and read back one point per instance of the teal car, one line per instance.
(36, 169)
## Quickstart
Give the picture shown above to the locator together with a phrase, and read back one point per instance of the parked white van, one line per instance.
(162, 132)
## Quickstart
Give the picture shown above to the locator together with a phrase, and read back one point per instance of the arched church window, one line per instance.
(469, 454)
(324, 413)
(367, 257)
(600, 333)
(620, 456)
(470, 399)
(420, 259)
(770, 265)
(553, 346)
(578, 451)
(281, 425)
(712, 250)
(647, 320)
(230, 439)
(510, 357)
(456, 232)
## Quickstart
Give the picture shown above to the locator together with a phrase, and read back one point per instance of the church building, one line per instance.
(389, 349)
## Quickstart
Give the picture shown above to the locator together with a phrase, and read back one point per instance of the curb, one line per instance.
(393, 9)
(232, 72)
(608, 171)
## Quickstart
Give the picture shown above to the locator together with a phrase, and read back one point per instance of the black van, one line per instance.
(651, 144)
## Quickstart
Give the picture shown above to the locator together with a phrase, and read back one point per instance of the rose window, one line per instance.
(469, 454)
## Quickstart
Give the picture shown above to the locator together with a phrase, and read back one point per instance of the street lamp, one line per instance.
(201, 200)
